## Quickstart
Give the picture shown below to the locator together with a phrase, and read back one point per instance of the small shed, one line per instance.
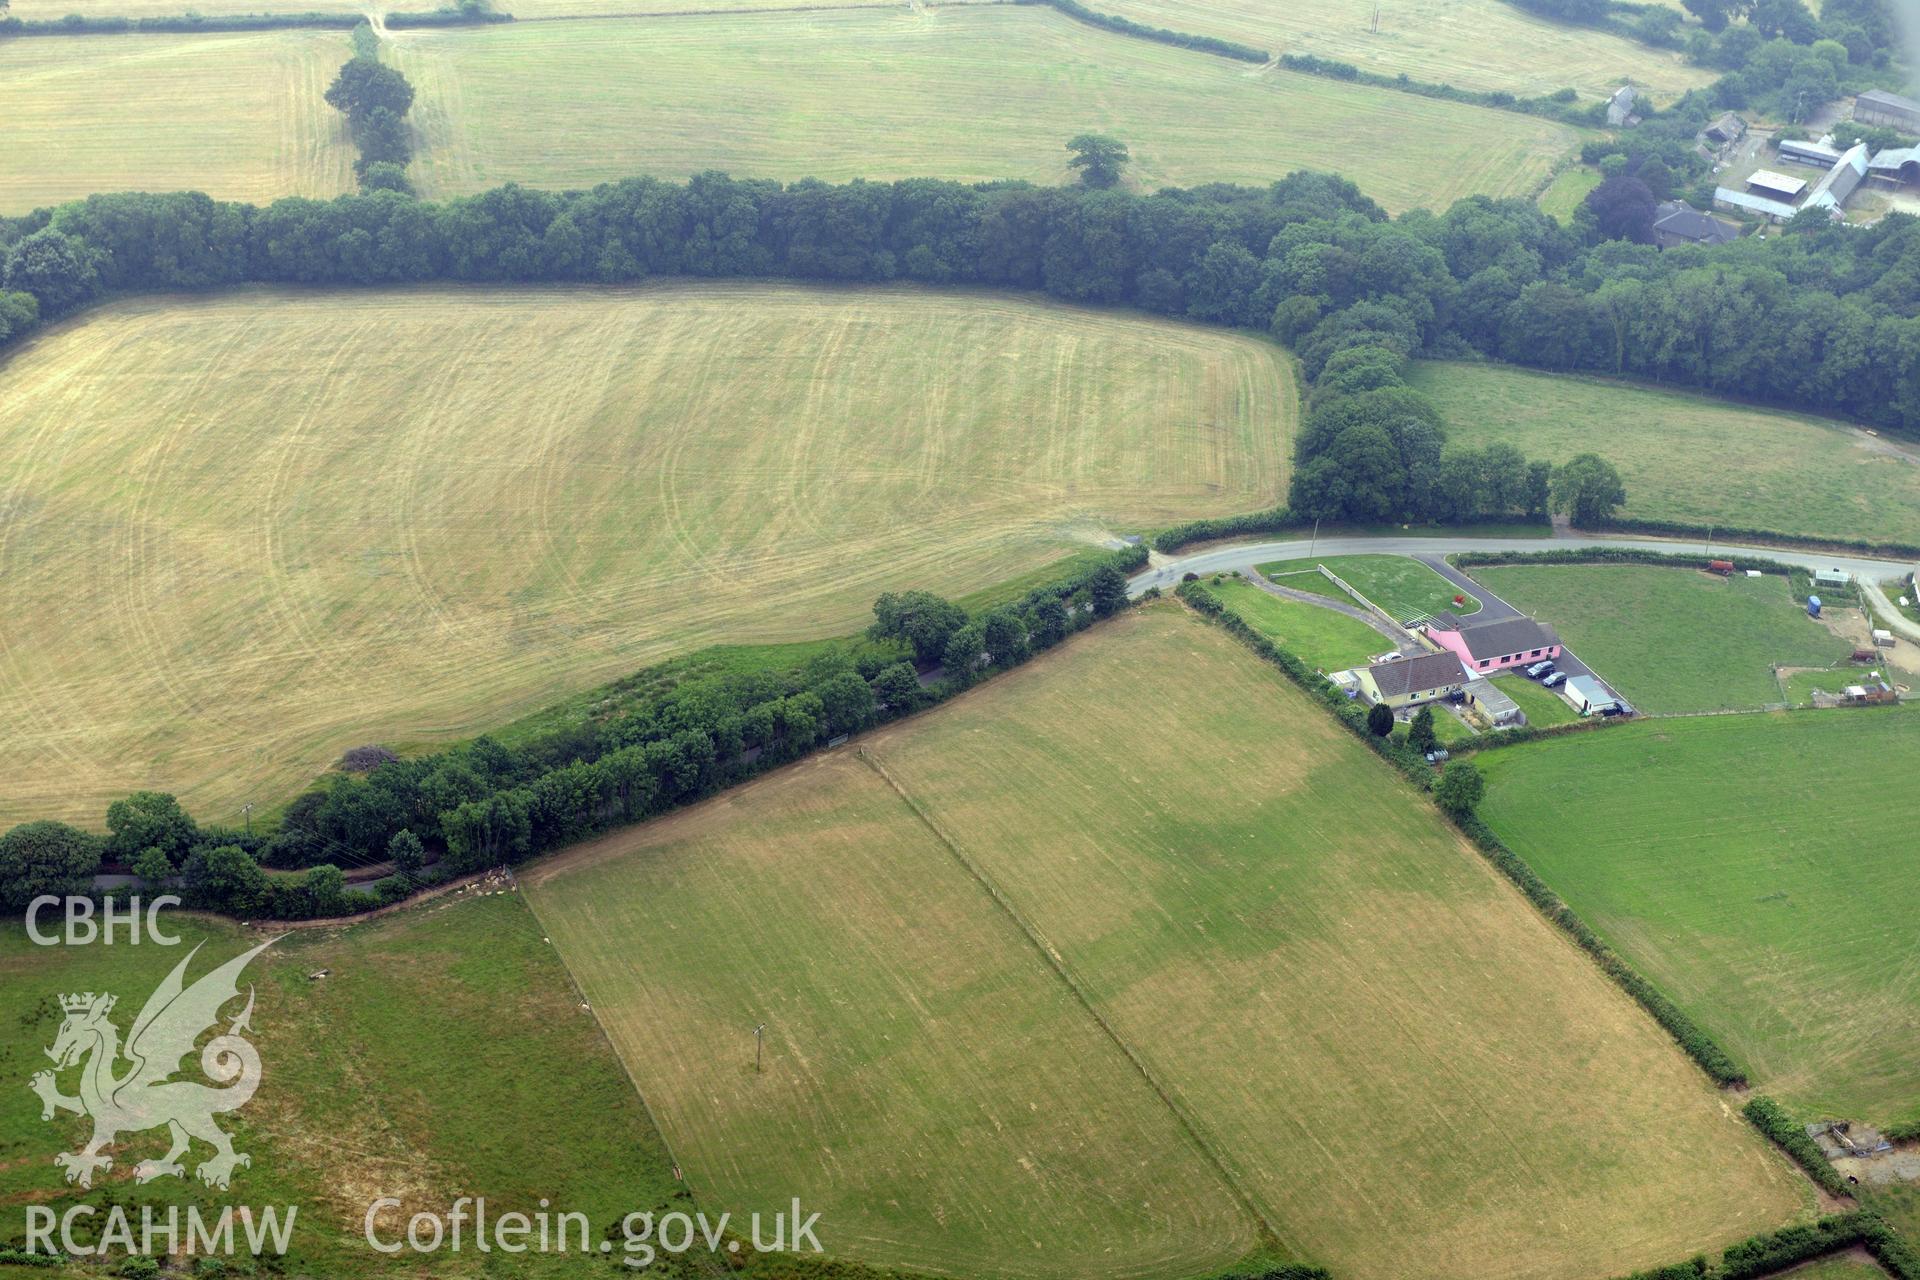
(1491, 701)
(1727, 128)
(1588, 696)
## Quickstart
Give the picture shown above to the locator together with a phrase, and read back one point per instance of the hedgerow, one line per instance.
(1742, 533)
(1776, 1251)
(1139, 30)
(1767, 1116)
(77, 25)
(1276, 520)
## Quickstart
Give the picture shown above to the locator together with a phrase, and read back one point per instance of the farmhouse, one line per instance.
(1589, 696)
(1406, 681)
(1492, 646)
(1678, 223)
(1877, 106)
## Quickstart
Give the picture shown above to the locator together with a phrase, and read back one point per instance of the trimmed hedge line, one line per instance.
(1180, 39)
(1530, 733)
(1698, 1045)
(446, 18)
(1276, 520)
(76, 25)
(1776, 1251)
(1668, 528)
(1767, 1116)
(1562, 106)
(1613, 555)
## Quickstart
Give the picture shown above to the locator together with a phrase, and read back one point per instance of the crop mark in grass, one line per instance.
(1189, 1124)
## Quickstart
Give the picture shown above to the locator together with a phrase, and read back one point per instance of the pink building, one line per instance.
(1495, 645)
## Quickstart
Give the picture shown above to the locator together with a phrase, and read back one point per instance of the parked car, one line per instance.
(1555, 680)
(1539, 670)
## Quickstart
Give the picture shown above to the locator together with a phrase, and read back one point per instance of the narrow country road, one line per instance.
(1890, 618)
(1166, 571)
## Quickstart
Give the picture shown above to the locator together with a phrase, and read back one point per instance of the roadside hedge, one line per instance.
(1677, 559)
(1769, 1118)
(1276, 520)
(1180, 39)
(1787, 541)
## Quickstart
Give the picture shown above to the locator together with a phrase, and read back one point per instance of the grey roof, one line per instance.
(1491, 698)
(1416, 675)
(1891, 160)
(1690, 224)
(1841, 181)
(1504, 637)
(1811, 152)
(1589, 690)
(1888, 101)
(1727, 126)
(1752, 203)
(1620, 105)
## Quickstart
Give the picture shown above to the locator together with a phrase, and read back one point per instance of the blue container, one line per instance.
(1813, 606)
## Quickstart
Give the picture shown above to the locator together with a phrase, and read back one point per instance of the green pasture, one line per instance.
(1319, 637)
(1402, 586)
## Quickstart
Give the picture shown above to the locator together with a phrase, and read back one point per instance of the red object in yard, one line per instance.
(1722, 567)
(1459, 599)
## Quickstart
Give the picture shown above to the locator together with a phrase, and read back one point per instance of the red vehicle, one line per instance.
(1722, 567)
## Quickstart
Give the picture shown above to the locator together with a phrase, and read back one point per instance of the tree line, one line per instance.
(485, 804)
(375, 99)
(1826, 319)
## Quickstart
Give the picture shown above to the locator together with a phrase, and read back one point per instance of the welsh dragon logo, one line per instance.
(146, 1096)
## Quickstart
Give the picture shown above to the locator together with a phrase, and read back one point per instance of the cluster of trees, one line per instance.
(1828, 319)
(485, 804)
(375, 99)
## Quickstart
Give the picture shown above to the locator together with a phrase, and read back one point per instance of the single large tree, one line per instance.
(1460, 788)
(1098, 158)
(920, 618)
(367, 84)
(45, 858)
(1587, 489)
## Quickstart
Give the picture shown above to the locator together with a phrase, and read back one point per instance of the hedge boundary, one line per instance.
(1273, 520)
(1769, 537)
(1776, 1251)
(188, 23)
(1692, 1039)
(1770, 1118)
(1162, 35)
(1564, 109)
(445, 18)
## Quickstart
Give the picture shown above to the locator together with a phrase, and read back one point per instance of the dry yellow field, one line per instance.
(246, 532)
(240, 117)
(1392, 1058)
(969, 93)
(1474, 44)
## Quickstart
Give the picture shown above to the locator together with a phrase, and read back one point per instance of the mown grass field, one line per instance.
(1319, 637)
(248, 532)
(1474, 44)
(239, 117)
(1399, 584)
(1568, 191)
(929, 1088)
(1673, 640)
(1397, 1061)
(1689, 457)
(971, 93)
(1751, 866)
(444, 1055)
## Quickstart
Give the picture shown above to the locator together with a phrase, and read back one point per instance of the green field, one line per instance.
(1758, 869)
(1673, 640)
(1475, 44)
(239, 117)
(1565, 194)
(1395, 1060)
(1691, 458)
(455, 507)
(1401, 585)
(1319, 637)
(443, 1055)
(1543, 707)
(964, 93)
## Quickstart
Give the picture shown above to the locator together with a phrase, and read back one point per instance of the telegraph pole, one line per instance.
(246, 811)
(759, 1033)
